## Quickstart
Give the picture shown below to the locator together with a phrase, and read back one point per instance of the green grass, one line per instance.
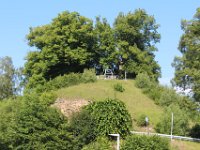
(136, 102)
(184, 145)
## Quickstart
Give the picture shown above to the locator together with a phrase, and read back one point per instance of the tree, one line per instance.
(72, 43)
(136, 35)
(36, 125)
(187, 66)
(6, 77)
(181, 119)
(106, 54)
(63, 46)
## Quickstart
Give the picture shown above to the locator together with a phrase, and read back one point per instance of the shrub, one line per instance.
(8, 111)
(141, 120)
(83, 127)
(168, 97)
(101, 143)
(89, 76)
(111, 116)
(142, 81)
(118, 87)
(195, 131)
(38, 126)
(135, 142)
(181, 120)
(63, 81)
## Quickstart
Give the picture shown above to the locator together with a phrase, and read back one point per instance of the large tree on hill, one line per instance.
(71, 43)
(187, 66)
(65, 45)
(106, 54)
(136, 35)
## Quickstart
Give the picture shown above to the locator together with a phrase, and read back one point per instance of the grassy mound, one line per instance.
(136, 102)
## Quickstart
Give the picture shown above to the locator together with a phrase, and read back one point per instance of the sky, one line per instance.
(16, 17)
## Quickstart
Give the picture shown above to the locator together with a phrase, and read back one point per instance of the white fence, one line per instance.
(168, 136)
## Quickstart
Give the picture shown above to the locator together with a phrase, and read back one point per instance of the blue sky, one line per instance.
(17, 16)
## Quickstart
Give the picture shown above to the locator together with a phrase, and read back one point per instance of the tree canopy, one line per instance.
(6, 77)
(136, 35)
(71, 43)
(187, 66)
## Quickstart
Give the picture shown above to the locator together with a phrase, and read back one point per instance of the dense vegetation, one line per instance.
(70, 51)
(187, 66)
(72, 43)
(182, 107)
(134, 142)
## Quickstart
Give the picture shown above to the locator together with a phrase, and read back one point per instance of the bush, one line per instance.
(118, 87)
(181, 120)
(63, 81)
(111, 116)
(83, 127)
(149, 87)
(135, 142)
(8, 111)
(141, 120)
(101, 143)
(37, 126)
(195, 131)
(89, 76)
(142, 81)
(168, 97)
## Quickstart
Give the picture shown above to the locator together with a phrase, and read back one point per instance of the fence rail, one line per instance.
(168, 136)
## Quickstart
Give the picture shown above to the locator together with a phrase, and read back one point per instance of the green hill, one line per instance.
(136, 102)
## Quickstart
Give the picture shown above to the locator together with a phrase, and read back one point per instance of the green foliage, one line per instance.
(181, 121)
(83, 126)
(143, 81)
(101, 143)
(195, 131)
(35, 125)
(111, 116)
(72, 43)
(149, 87)
(134, 142)
(63, 81)
(168, 97)
(187, 66)
(89, 76)
(165, 96)
(100, 119)
(63, 46)
(8, 111)
(6, 78)
(141, 120)
(118, 87)
(105, 54)
(136, 35)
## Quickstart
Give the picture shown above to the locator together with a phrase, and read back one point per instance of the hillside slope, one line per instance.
(136, 102)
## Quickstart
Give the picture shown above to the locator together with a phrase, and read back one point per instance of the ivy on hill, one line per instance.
(101, 119)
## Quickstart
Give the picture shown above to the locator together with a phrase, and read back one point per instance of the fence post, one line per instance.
(118, 140)
(172, 123)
